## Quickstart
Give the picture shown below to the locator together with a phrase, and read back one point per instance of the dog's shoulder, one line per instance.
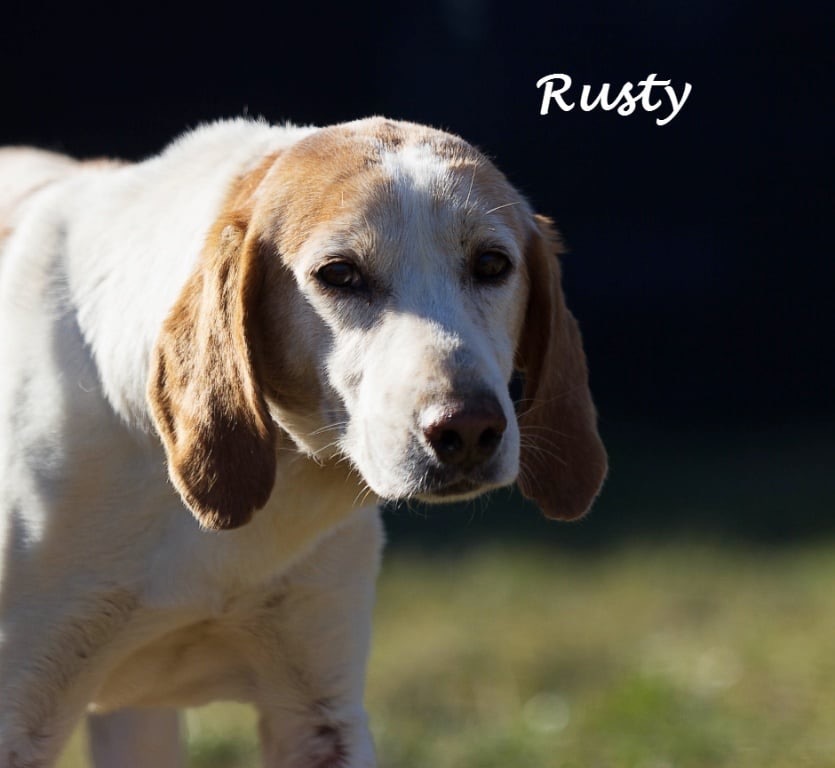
(201, 159)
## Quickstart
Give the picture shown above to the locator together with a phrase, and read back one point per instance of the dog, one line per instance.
(214, 365)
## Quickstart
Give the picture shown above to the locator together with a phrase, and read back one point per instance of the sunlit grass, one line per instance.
(667, 657)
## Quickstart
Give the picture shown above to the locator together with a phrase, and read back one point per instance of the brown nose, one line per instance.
(468, 435)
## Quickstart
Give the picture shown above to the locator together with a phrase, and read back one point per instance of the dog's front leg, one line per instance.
(54, 652)
(312, 640)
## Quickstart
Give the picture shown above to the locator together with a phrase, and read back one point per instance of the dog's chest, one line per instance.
(212, 600)
(194, 659)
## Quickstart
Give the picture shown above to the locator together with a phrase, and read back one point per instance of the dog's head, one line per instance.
(369, 293)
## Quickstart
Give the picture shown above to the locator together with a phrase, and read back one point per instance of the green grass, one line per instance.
(675, 656)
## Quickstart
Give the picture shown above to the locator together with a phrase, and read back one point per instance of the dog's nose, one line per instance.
(467, 435)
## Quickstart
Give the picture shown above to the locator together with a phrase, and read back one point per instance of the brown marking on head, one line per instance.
(563, 461)
(388, 133)
(340, 167)
(203, 387)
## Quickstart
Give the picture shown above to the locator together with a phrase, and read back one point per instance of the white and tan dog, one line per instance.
(262, 329)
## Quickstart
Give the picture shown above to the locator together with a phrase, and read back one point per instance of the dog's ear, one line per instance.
(563, 461)
(207, 404)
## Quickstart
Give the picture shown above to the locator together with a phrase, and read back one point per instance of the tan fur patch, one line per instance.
(203, 392)
(563, 462)
(317, 177)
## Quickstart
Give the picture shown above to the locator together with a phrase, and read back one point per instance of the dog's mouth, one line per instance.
(438, 487)
(465, 486)
(441, 487)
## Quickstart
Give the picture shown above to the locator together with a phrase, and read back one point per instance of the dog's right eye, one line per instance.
(491, 267)
(341, 274)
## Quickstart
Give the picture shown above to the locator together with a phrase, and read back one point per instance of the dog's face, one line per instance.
(369, 292)
(413, 291)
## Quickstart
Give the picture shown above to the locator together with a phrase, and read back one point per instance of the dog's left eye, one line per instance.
(341, 274)
(491, 266)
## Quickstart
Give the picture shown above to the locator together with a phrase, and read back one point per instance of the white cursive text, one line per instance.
(626, 101)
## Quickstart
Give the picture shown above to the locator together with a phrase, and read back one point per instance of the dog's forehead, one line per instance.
(391, 176)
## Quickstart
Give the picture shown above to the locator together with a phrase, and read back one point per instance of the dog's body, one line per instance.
(264, 326)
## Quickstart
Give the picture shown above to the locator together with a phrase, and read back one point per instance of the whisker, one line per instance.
(541, 454)
(367, 494)
(524, 474)
(328, 446)
(470, 190)
(540, 439)
(499, 207)
(538, 402)
(364, 489)
(553, 438)
(334, 425)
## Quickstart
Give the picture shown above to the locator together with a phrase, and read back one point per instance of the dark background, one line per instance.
(701, 258)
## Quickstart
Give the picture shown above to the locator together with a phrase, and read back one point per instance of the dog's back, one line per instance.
(23, 172)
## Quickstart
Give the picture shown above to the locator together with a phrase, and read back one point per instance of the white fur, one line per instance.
(434, 334)
(111, 596)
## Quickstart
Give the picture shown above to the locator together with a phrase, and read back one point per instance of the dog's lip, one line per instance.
(458, 489)
(464, 485)
(445, 483)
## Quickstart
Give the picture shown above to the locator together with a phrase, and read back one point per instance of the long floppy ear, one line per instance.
(208, 407)
(563, 461)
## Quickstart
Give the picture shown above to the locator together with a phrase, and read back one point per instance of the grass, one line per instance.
(676, 656)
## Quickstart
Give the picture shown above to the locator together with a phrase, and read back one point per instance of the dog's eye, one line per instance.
(341, 274)
(491, 266)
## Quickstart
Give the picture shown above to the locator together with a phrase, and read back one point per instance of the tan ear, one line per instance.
(208, 407)
(563, 461)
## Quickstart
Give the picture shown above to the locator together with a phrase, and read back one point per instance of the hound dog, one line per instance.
(213, 365)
